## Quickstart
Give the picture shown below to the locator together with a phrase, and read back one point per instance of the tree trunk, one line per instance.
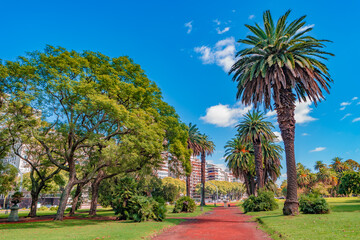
(258, 165)
(247, 185)
(203, 162)
(33, 206)
(76, 198)
(188, 185)
(95, 192)
(252, 186)
(286, 119)
(63, 200)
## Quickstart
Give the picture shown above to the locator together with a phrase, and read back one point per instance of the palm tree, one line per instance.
(240, 160)
(255, 129)
(272, 156)
(207, 148)
(319, 165)
(339, 166)
(282, 61)
(194, 143)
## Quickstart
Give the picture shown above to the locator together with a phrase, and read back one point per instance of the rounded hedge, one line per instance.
(313, 204)
(184, 204)
(265, 201)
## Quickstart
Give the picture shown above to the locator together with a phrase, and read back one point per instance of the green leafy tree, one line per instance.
(350, 183)
(7, 178)
(91, 102)
(255, 129)
(281, 61)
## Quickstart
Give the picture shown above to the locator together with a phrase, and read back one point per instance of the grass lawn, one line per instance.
(343, 222)
(91, 229)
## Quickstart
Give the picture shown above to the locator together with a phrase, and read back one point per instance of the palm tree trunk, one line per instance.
(258, 165)
(286, 119)
(202, 179)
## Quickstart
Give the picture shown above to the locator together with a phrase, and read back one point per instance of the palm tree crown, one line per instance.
(281, 56)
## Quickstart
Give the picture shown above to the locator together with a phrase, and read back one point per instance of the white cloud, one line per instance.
(318, 149)
(189, 27)
(251, 17)
(356, 119)
(278, 137)
(355, 98)
(344, 104)
(222, 31)
(346, 115)
(222, 54)
(271, 113)
(305, 28)
(305, 134)
(302, 111)
(225, 115)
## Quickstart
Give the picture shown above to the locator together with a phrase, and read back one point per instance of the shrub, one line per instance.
(139, 208)
(184, 204)
(43, 208)
(313, 204)
(265, 201)
(54, 208)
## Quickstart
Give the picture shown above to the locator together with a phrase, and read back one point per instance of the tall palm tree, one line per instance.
(240, 160)
(319, 165)
(282, 61)
(207, 148)
(255, 129)
(339, 166)
(194, 143)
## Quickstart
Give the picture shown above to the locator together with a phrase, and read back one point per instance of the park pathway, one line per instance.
(221, 223)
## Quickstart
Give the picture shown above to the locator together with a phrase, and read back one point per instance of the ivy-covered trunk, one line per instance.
(188, 185)
(286, 119)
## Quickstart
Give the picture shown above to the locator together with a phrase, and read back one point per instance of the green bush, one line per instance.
(265, 201)
(54, 208)
(184, 204)
(43, 208)
(313, 204)
(139, 209)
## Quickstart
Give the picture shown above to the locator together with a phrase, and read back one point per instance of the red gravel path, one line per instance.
(221, 223)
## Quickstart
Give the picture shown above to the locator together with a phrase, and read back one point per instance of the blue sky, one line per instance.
(186, 48)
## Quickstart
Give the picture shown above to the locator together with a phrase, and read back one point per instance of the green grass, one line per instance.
(91, 229)
(342, 223)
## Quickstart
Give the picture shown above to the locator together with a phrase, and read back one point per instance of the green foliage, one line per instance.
(54, 208)
(139, 208)
(184, 204)
(265, 201)
(7, 178)
(350, 183)
(313, 204)
(43, 208)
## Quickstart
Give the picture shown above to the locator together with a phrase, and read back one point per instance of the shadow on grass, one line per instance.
(345, 208)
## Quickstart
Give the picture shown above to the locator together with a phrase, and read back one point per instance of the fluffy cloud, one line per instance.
(251, 17)
(222, 54)
(189, 27)
(302, 111)
(356, 120)
(222, 31)
(279, 138)
(355, 98)
(225, 115)
(318, 149)
(343, 105)
(305, 134)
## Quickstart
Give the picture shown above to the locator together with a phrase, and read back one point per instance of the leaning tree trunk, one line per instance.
(64, 198)
(247, 185)
(76, 198)
(286, 119)
(95, 192)
(188, 185)
(258, 164)
(203, 161)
